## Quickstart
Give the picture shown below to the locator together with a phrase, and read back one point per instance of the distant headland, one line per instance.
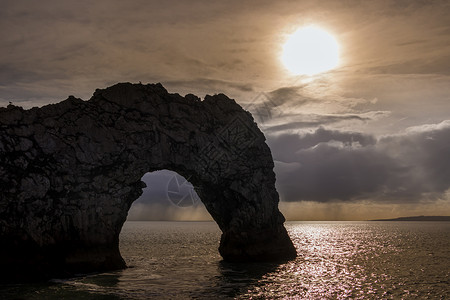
(418, 218)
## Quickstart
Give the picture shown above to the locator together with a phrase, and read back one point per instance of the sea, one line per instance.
(336, 260)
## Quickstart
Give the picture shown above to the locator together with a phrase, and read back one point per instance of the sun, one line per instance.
(309, 51)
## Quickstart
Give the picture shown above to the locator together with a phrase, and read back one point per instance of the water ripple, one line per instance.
(336, 260)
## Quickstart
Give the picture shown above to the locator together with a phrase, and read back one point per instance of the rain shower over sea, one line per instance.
(336, 260)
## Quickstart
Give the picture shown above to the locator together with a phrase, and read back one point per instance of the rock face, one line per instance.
(69, 173)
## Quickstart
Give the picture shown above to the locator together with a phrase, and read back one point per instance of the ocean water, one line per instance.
(337, 260)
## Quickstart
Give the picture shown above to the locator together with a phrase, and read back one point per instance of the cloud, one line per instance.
(338, 175)
(432, 65)
(78, 46)
(327, 165)
(289, 122)
(168, 196)
(207, 84)
(361, 210)
(167, 187)
(425, 128)
(394, 75)
(288, 95)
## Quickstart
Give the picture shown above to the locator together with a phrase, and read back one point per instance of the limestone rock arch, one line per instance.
(69, 173)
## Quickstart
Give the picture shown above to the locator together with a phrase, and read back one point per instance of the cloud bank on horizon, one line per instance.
(375, 130)
(328, 165)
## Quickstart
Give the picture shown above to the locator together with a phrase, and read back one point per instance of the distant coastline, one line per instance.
(418, 218)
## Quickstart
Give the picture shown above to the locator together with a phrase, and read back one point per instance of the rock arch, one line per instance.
(70, 171)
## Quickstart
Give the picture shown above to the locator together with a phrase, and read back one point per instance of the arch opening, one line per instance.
(168, 196)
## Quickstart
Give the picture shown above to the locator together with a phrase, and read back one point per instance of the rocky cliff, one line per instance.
(70, 171)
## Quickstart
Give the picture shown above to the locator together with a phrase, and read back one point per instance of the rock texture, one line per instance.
(69, 173)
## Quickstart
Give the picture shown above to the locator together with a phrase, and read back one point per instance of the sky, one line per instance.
(367, 139)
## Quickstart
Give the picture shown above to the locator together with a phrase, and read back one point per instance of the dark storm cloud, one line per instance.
(156, 189)
(332, 165)
(168, 196)
(165, 187)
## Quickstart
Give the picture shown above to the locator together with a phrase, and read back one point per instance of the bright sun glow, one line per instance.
(310, 50)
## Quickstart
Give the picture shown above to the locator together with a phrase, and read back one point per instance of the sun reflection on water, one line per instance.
(340, 262)
(336, 260)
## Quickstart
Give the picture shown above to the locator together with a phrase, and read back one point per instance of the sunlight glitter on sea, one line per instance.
(336, 260)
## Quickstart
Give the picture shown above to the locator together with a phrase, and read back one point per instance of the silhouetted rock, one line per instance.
(69, 173)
